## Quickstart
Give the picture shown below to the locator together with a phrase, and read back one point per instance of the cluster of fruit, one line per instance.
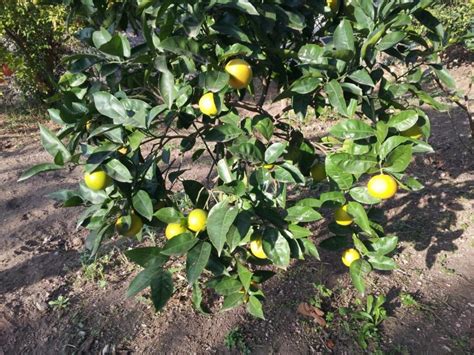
(381, 186)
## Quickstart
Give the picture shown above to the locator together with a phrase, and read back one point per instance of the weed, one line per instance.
(59, 303)
(369, 319)
(409, 301)
(321, 292)
(94, 271)
(236, 340)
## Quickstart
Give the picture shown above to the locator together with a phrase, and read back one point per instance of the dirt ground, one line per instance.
(40, 260)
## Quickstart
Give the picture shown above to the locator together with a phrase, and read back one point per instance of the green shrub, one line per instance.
(32, 48)
(457, 18)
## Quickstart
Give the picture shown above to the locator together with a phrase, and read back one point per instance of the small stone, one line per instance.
(41, 306)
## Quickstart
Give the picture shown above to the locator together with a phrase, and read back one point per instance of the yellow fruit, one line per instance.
(88, 125)
(256, 247)
(342, 217)
(129, 230)
(207, 105)
(97, 180)
(123, 150)
(268, 166)
(413, 132)
(318, 172)
(382, 186)
(349, 256)
(240, 73)
(197, 220)
(333, 5)
(174, 229)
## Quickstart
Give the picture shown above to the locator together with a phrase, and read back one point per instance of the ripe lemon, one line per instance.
(207, 105)
(268, 166)
(382, 186)
(349, 256)
(129, 230)
(318, 172)
(333, 5)
(240, 73)
(174, 229)
(97, 180)
(256, 247)
(413, 132)
(88, 125)
(197, 220)
(342, 217)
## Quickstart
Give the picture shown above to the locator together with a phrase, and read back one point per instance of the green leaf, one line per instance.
(336, 96)
(109, 106)
(298, 231)
(381, 262)
(143, 280)
(197, 260)
(101, 37)
(142, 204)
(403, 120)
(221, 216)
(196, 192)
(254, 307)
(385, 245)
(264, 125)
(242, 5)
(352, 129)
(274, 151)
(245, 276)
(34, 170)
(224, 171)
(276, 247)
(117, 171)
(233, 300)
(357, 211)
(161, 289)
(297, 214)
(361, 194)
(390, 40)
(227, 286)
(358, 270)
(223, 133)
(390, 144)
(343, 179)
(167, 88)
(399, 159)
(353, 164)
(146, 256)
(213, 81)
(169, 215)
(180, 244)
(445, 77)
(362, 77)
(305, 85)
(344, 37)
(310, 248)
(197, 298)
(118, 46)
(53, 145)
(311, 54)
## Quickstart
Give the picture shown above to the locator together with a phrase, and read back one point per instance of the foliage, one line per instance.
(236, 340)
(59, 303)
(32, 38)
(368, 319)
(143, 97)
(457, 17)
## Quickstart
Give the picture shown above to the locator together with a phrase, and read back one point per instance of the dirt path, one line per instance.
(40, 259)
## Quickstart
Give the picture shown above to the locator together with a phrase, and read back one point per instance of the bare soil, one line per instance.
(40, 259)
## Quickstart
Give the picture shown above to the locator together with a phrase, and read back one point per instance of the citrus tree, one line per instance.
(165, 85)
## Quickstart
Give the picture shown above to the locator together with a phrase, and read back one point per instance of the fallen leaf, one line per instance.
(313, 312)
(330, 344)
